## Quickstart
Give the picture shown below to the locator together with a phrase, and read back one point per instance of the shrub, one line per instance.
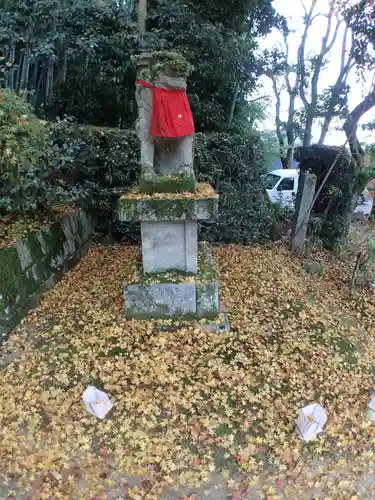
(94, 162)
(24, 173)
(234, 165)
(334, 204)
(99, 163)
(95, 165)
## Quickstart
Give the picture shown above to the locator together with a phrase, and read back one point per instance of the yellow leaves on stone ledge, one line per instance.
(203, 191)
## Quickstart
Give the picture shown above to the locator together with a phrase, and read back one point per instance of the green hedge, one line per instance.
(96, 164)
(334, 204)
(234, 166)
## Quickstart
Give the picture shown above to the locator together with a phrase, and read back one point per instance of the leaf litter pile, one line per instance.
(191, 408)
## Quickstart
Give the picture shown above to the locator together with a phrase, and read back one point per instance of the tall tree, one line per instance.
(301, 77)
(310, 85)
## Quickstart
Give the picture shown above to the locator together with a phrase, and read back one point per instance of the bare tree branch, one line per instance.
(345, 68)
(351, 124)
(343, 51)
(277, 93)
(310, 107)
(304, 7)
(300, 81)
(265, 97)
(319, 14)
(331, 44)
(287, 80)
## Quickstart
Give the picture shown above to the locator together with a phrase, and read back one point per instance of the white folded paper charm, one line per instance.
(96, 402)
(310, 421)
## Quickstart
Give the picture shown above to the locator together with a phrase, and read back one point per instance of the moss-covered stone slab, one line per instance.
(208, 299)
(160, 300)
(219, 324)
(207, 284)
(180, 182)
(173, 294)
(138, 207)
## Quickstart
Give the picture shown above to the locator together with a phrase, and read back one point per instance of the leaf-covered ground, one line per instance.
(195, 413)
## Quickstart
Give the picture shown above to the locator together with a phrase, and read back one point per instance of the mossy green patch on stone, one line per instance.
(137, 210)
(150, 209)
(15, 283)
(207, 299)
(170, 276)
(170, 63)
(217, 324)
(163, 183)
(207, 284)
(159, 313)
(33, 243)
(207, 271)
(55, 238)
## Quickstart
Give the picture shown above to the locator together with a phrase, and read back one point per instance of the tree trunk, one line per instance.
(307, 136)
(233, 105)
(350, 128)
(280, 136)
(11, 74)
(351, 125)
(19, 72)
(290, 130)
(290, 157)
(25, 70)
(142, 16)
(325, 127)
(39, 88)
(65, 67)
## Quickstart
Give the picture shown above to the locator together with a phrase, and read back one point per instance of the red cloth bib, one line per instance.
(171, 113)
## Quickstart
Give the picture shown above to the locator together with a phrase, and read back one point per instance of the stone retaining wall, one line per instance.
(36, 263)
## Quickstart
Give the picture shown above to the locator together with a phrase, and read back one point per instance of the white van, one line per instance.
(282, 185)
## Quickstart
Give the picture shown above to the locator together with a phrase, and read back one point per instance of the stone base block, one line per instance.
(176, 295)
(168, 245)
(160, 300)
(207, 299)
(220, 324)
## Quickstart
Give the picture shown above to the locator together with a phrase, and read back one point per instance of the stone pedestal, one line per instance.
(169, 245)
(179, 279)
(176, 294)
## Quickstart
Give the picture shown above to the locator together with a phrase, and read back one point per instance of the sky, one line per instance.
(293, 11)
